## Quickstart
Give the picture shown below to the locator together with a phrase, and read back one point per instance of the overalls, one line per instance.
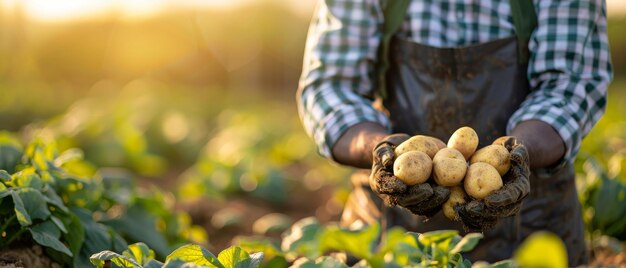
(434, 91)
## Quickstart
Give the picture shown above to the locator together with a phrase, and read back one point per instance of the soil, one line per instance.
(26, 257)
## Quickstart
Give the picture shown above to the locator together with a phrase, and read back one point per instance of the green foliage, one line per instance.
(601, 170)
(69, 213)
(307, 242)
(140, 256)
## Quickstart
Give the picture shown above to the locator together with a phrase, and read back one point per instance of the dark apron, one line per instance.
(434, 91)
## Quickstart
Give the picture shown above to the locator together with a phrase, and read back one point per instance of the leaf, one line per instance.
(153, 264)
(467, 243)
(235, 257)
(196, 255)
(47, 234)
(321, 262)
(33, 203)
(259, 244)
(75, 238)
(429, 238)
(99, 259)
(178, 263)
(28, 178)
(4, 176)
(139, 225)
(256, 259)
(51, 197)
(20, 211)
(359, 243)
(97, 236)
(59, 224)
(11, 151)
(541, 249)
(303, 238)
(140, 252)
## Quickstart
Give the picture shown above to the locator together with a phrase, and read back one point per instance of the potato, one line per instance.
(440, 144)
(413, 167)
(495, 155)
(481, 180)
(457, 196)
(420, 143)
(449, 167)
(465, 140)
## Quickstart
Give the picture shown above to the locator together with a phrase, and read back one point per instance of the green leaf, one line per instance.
(75, 238)
(27, 178)
(33, 203)
(256, 259)
(359, 243)
(47, 235)
(541, 249)
(235, 257)
(435, 237)
(140, 252)
(99, 259)
(153, 264)
(97, 236)
(467, 243)
(255, 244)
(138, 224)
(196, 255)
(11, 151)
(321, 262)
(303, 238)
(4, 176)
(51, 197)
(178, 263)
(59, 224)
(20, 211)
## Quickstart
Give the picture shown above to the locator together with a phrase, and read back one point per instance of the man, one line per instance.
(538, 90)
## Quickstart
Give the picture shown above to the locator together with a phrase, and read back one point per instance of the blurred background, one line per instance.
(197, 98)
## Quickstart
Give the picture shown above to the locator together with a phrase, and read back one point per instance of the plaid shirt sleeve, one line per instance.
(569, 70)
(335, 89)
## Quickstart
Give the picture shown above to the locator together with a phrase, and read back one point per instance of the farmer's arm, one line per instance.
(335, 89)
(569, 72)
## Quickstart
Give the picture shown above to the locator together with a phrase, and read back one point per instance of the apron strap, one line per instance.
(394, 12)
(524, 21)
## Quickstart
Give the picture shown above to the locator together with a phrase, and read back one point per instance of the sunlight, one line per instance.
(66, 10)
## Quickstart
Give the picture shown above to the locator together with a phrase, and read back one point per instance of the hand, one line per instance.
(423, 199)
(484, 214)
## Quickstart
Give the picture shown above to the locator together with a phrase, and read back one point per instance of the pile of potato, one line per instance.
(456, 165)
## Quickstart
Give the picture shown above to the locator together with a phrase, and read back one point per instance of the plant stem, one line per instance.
(14, 236)
(6, 223)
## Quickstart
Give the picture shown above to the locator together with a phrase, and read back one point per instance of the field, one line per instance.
(164, 140)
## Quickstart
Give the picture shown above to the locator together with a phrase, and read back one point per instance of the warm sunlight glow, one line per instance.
(64, 10)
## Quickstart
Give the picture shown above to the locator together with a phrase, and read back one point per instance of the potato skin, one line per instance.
(420, 143)
(413, 167)
(449, 167)
(440, 144)
(457, 197)
(465, 140)
(496, 155)
(481, 180)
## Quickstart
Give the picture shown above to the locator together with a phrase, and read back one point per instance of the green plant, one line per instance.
(139, 255)
(61, 202)
(308, 243)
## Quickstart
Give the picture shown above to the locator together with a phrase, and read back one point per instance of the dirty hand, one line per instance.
(505, 202)
(423, 199)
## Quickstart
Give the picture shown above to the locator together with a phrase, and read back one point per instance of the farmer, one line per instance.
(531, 75)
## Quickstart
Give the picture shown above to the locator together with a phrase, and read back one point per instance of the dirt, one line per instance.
(26, 257)
(604, 257)
(248, 209)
